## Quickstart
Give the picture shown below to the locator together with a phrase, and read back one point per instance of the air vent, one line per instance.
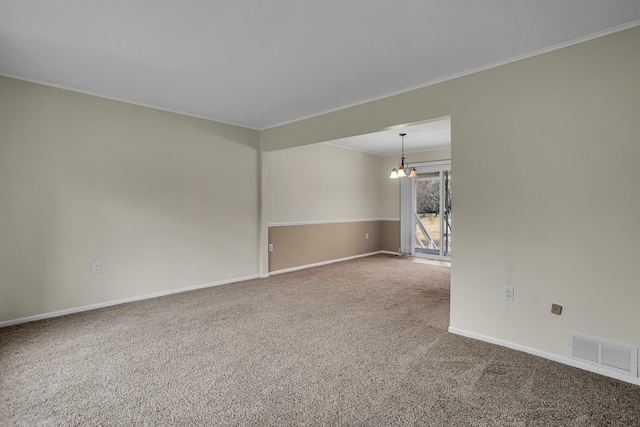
(586, 349)
(611, 356)
(615, 357)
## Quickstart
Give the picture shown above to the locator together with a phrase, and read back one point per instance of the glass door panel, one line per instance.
(446, 214)
(428, 225)
(432, 219)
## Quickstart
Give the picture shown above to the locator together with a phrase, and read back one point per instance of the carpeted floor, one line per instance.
(361, 342)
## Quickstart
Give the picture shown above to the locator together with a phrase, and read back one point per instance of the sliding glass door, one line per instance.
(426, 211)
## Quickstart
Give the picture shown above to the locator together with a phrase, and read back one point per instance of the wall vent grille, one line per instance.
(611, 356)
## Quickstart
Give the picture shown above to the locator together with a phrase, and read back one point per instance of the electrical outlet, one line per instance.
(270, 247)
(556, 309)
(366, 236)
(97, 268)
(508, 293)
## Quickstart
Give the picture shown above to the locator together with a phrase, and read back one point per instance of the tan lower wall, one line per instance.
(390, 236)
(298, 245)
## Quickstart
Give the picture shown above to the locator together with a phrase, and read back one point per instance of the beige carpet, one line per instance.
(362, 342)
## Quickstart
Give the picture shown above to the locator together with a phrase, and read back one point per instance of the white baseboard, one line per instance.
(317, 264)
(551, 356)
(264, 275)
(121, 301)
(390, 253)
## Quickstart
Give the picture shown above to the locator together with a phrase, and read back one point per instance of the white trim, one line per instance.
(317, 264)
(329, 221)
(264, 275)
(407, 216)
(471, 71)
(551, 356)
(122, 301)
(390, 253)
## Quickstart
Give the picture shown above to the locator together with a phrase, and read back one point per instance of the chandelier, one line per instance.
(401, 171)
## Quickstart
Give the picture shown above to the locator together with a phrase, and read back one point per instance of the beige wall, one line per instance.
(322, 182)
(545, 155)
(154, 196)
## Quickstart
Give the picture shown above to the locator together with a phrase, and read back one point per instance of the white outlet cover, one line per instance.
(508, 293)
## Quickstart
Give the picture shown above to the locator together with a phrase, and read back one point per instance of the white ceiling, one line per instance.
(432, 135)
(260, 63)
